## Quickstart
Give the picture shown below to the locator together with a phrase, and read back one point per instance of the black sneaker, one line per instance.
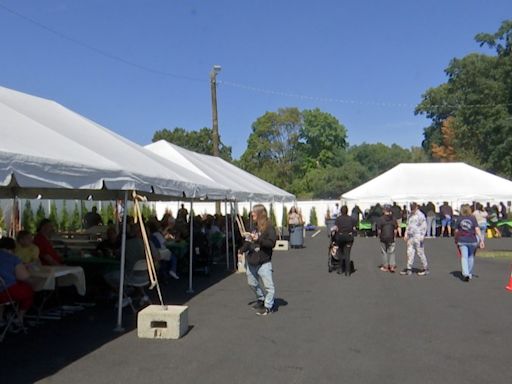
(406, 272)
(259, 304)
(466, 279)
(263, 311)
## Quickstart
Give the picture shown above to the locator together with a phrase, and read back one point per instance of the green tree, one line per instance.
(273, 216)
(313, 219)
(379, 158)
(197, 141)
(107, 213)
(27, 218)
(2, 221)
(273, 147)
(83, 208)
(322, 137)
(53, 217)
(64, 217)
(245, 214)
(75, 219)
(40, 214)
(284, 217)
(478, 99)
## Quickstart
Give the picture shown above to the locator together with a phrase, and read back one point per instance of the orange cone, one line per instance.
(509, 286)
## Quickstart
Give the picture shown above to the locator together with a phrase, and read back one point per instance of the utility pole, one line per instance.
(215, 122)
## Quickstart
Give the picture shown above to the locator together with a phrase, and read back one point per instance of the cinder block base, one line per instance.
(281, 245)
(162, 322)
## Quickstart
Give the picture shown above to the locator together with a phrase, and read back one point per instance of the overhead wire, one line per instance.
(246, 87)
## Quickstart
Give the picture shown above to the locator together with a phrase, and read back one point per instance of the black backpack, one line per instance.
(387, 231)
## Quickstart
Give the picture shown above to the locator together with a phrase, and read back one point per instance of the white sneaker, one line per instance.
(174, 275)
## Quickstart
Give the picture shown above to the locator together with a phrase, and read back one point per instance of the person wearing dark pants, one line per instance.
(345, 232)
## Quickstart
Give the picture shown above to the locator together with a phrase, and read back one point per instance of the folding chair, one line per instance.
(140, 266)
(14, 316)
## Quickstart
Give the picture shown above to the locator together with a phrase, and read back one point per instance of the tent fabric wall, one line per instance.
(243, 185)
(436, 182)
(46, 146)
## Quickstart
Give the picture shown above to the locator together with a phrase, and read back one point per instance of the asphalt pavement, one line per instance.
(371, 327)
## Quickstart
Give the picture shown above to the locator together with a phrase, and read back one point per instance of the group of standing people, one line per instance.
(467, 233)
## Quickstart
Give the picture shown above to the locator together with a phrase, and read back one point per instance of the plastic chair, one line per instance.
(14, 315)
(134, 279)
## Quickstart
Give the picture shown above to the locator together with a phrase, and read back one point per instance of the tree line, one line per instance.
(307, 153)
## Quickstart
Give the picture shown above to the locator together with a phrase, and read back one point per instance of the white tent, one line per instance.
(243, 185)
(436, 182)
(48, 149)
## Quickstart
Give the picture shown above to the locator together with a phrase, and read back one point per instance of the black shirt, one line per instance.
(346, 224)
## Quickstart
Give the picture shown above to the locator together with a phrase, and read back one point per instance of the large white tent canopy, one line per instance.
(436, 182)
(243, 185)
(49, 149)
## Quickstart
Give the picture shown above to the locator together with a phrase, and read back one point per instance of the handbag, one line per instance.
(254, 258)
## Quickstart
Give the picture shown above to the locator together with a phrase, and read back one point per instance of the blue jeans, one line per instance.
(467, 258)
(431, 226)
(483, 230)
(263, 272)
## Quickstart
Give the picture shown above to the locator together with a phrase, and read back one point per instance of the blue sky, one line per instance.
(373, 58)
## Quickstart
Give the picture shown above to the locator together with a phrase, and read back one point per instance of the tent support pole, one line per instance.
(227, 233)
(119, 326)
(250, 215)
(191, 249)
(233, 212)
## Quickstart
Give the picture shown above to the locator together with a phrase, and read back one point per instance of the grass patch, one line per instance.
(495, 254)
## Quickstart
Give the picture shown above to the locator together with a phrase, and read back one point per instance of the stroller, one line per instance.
(333, 255)
(335, 259)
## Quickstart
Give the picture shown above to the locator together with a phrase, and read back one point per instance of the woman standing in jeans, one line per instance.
(259, 260)
(467, 237)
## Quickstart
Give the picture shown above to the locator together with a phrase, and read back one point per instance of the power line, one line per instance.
(229, 83)
(98, 50)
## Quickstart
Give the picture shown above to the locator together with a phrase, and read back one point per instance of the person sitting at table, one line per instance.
(26, 250)
(14, 276)
(168, 260)
(134, 252)
(168, 221)
(92, 219)
(47, 254)
(110, 245)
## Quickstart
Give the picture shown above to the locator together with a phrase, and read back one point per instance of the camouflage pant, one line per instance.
(415, 247)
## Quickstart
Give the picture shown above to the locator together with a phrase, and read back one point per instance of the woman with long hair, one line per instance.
(468, 238)
(259, 260)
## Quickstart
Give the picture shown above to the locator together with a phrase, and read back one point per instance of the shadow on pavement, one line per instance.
(54, 344)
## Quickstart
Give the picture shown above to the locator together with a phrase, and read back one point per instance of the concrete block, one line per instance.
(162, 322)
(281, 245)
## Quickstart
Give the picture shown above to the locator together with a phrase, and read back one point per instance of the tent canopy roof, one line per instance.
(243, 185)
(48, 148)
(432, 182)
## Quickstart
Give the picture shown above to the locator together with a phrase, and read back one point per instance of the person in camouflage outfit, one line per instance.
(415, 236)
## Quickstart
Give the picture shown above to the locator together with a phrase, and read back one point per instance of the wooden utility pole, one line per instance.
(215, 122)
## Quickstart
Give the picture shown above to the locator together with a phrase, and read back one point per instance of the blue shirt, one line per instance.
(8, 263)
